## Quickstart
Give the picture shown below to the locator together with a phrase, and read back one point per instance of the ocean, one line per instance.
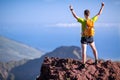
(107, 39)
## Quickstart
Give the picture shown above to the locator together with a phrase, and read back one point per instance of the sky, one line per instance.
(47, 24)
(51, 12)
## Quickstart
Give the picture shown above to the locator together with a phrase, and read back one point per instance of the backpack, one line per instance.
(89, 30)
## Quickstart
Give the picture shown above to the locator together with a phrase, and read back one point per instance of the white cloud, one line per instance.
(65, 25)
(107, 24)
(78, 25)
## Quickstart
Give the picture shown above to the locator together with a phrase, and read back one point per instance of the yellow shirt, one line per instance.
(83, 22)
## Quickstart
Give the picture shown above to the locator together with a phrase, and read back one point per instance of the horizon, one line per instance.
(48, 24)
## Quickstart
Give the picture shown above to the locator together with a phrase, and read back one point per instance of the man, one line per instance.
(85, 39)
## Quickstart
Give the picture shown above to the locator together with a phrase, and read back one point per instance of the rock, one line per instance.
(70, 69)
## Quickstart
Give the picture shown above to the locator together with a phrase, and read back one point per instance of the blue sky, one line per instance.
(52, 12)
(47, 24)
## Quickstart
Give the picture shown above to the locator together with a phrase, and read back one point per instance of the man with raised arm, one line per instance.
(87, 31)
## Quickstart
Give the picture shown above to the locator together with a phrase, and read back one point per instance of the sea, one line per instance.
(48, 38)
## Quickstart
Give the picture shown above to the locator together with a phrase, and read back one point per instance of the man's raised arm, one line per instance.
(73, 13)
(102, 6)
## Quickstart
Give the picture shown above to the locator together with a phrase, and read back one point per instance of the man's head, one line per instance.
(86, 13)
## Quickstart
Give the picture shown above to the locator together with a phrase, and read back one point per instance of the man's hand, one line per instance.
(73, 13)
(71, 8)
(102, 4)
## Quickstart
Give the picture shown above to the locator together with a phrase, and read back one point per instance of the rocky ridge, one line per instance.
(54, 68)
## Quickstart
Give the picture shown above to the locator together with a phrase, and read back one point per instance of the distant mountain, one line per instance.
(5, 68)
(11, 50)
(14, 54)
(30, 70)
(66, 52)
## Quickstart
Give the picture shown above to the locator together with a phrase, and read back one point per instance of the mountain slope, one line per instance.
(71, 69)
(14, 54)
(30, 70)
(13, 51)
(5, 68)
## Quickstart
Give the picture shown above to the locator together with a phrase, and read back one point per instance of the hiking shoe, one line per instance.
(83, 66)
(96, 62)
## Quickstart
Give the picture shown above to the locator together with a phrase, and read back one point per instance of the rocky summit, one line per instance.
(70, 69)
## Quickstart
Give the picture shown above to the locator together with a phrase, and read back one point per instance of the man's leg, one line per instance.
(84, 47)
(92, 45)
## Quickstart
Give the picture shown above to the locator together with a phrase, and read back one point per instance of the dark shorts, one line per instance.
(86, 40)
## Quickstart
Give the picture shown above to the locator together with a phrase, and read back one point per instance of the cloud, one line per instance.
(64, 25)
(78, 25)
(67, 24)
(107, 24)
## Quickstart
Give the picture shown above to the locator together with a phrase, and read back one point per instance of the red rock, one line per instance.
(70, 69)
